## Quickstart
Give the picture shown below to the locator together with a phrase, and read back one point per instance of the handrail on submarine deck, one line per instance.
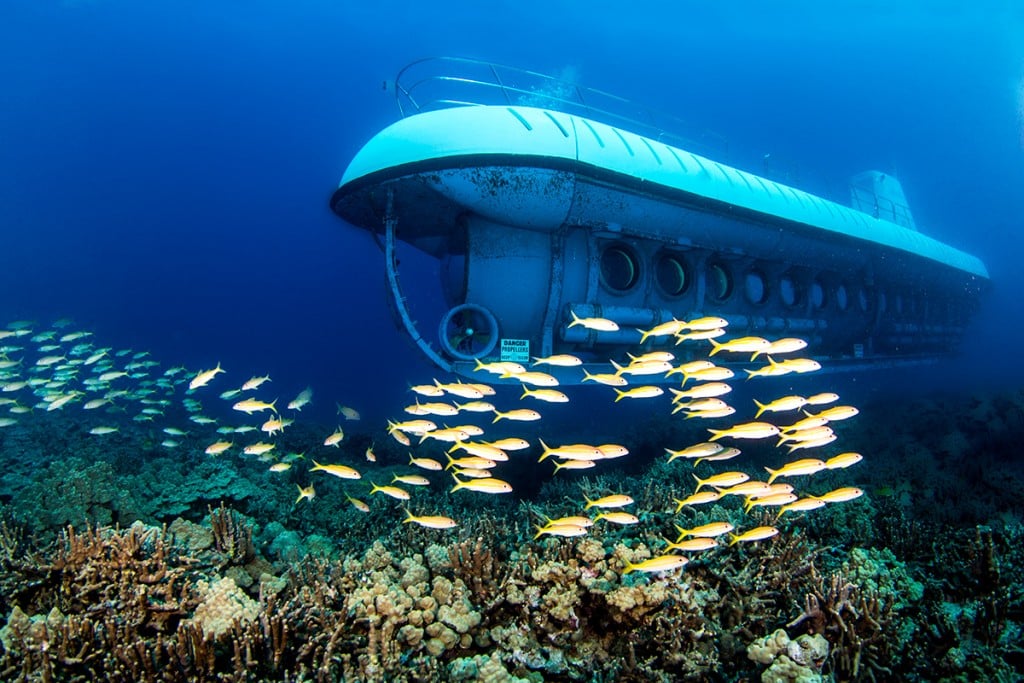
(534, 89)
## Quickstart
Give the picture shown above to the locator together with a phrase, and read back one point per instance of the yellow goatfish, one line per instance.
(203, 378)
(430, 522)
(757, 534)
(547, 395)
(617, 500)
(841, 495)
(822, 399)
(309, 493)
(785, 345)
(254, 382)
(519, 414)
(780, 405)
(251, 405)
(664, 563)
(335, 438)
(393, 491)
(665, 329)
(489, 485)
(562, 360)
(723, 480)
(705, 530)
(340, 471)
(692, 544)
(426, 463)
(740, 345)
(639, 392)
(565, 530)
(607, 378)
(596, 324)
(699, 450)
(618, 517)
(801, 505)
(796, 468)
(746, 430)
(697, 499)
(218, 447)
(843, 460)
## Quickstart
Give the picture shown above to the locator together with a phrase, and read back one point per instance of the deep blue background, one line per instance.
(165, 166)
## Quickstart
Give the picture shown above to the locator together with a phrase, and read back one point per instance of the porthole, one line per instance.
(719, 282)
(864, 300)
(755, 289)
(817, 294)
(883, 302)
(672, 274)
(842, 298)
(897, 304)
(789, 291)
(620, 269)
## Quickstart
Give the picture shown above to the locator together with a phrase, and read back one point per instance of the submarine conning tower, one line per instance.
(544, 205)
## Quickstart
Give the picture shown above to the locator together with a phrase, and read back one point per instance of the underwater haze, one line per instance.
(222, 459)
(167, 166)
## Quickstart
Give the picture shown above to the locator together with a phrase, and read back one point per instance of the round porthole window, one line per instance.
(672, 275)
(789, 291)
(755, 288)
(818, 295)
(842, 298)
(719, 282)
(864, 300)
(620, 269)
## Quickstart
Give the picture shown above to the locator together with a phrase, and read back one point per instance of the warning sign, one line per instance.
(515, 350)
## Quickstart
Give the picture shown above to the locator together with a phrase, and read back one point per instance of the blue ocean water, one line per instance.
(166, 166)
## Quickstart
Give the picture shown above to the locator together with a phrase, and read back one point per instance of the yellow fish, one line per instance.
(341, 471)
(563, 360)
(614, 501)
(663, 563)
(335, 438)
(281, 467)
(431, 522)
(774, 500)
(499, 367)
(358, 504)
(746, 430)
(510, 444)
(692, 545)
(596, 324)
(519, 414)
(822, 399)
(665, 329)
(482, 450)
(841, 495)
(697, 499)
(547, 395)
(411, 480)
(612, 450)
(254, 382)
(272, 426)
(218, 447)
(426, 463)
(639, 392)
(309, 493)
(489, 485)
(575, 520)
(757, 534)
(699, 450)
(785, 345)
(705, 530)
(843, 460)
(801, 505)
(203, 378)
(740, 345)
(699, 335)
(400, 437)
(606, 378)
(393, 491)
(652, 355)
(258, 448)
(837, 413)
(647, 367)
(618, 517)
(780, 405)
(539, 379)
(476, 407)
(574, 465)
(429, 390)
(565, 530)
(796, 468)
(721, 480)
(706, 390)
(251, 405)
(460, 389)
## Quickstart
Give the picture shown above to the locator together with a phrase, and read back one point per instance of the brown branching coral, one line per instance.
(232, 536)
(855, 622)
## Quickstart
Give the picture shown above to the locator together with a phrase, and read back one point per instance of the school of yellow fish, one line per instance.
(65, 369)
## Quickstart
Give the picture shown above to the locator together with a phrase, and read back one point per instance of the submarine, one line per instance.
(545, 201)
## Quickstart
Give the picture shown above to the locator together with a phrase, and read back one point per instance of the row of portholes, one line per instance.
(620, 271)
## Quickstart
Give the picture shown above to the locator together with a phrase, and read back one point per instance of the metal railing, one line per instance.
(443, 82)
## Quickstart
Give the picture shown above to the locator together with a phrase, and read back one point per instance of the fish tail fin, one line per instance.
(497, 416)
(586, 376)
(618, 368)
(459, 484)
(526, 392)
(547, 451)
(643, 335)
(750, 374)
(715, 347)
(629, 567)
(540, 531)
(451, 461)
(735, 539)
(760, 408)
(700, 482)
(716, 434)
(773, 473)
(316, 466)
(479, 365)
(408, 516)
(575, 318)
(589, 504)
(620, 393)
